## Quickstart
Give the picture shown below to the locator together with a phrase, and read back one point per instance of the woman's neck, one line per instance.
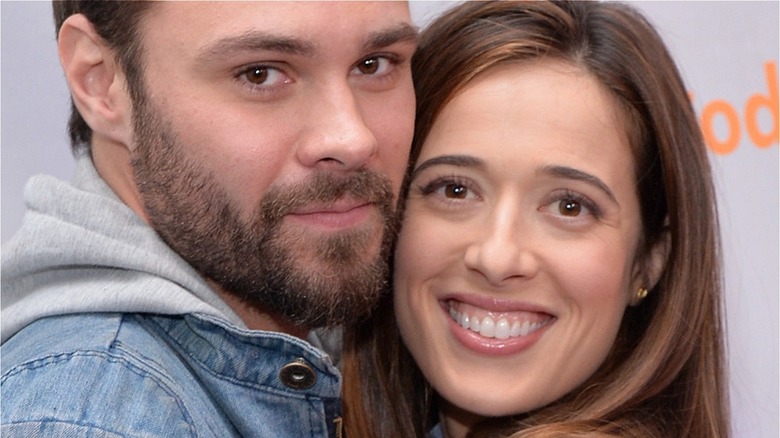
(456, 423)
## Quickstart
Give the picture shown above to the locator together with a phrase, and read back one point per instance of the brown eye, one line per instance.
(368, 66)
(569, 207)
(456, 191)
(257, 75)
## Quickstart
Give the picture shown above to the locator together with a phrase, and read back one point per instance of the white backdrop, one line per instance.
(728, 55)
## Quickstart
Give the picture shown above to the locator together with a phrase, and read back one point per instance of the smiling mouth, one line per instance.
(498, 325)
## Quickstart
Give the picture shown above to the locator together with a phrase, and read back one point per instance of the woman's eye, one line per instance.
(377, 65)
(448, 189)
(569, 207)
(573, 206)
(455, 191)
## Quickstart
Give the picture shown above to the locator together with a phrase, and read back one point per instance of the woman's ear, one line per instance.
(97, 84)
(650, 266)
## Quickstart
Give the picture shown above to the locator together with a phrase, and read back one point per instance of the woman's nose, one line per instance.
(503, 250)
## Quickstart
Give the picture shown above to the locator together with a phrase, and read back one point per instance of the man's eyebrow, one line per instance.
(403, 33)
(578, 175)
(256, 40)
(449, 160)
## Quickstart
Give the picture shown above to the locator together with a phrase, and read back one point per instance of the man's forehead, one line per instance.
(210, 31)
(290, 19)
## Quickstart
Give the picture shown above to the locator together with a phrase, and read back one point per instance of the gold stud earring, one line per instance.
(641, 293)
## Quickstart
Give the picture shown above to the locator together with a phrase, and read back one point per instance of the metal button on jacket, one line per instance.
(298, 375)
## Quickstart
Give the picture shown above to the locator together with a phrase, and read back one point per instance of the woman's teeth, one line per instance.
(503, 328)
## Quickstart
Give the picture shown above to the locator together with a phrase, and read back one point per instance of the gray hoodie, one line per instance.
(82, 250)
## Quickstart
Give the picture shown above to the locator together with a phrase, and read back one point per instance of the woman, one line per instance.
(557, 273)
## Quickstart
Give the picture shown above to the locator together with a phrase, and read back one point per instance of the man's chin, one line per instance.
(315, 251)
(357, 225)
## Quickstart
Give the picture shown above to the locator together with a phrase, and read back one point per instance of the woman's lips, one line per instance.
(499, 326)
(496, 327)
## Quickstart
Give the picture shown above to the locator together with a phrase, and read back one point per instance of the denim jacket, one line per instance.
(136, 375)
(107, 332)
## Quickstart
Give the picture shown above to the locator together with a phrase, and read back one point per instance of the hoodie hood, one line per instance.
(81, 249)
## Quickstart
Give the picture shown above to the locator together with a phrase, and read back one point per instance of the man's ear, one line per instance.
(97, 84)
(650, 265)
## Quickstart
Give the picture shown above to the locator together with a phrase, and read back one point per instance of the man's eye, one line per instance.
(257, 75)
(377, 65)
(262, 75)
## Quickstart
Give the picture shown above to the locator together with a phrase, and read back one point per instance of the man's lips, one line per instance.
(343, 213)
(341, 206)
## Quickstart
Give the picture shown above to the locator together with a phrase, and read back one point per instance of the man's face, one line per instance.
(270, 145)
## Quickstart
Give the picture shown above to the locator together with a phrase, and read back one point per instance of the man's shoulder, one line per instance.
(90, 347)
(102, 373)
(57, 338)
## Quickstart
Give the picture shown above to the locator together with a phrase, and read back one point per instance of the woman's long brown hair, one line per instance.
(665, 375)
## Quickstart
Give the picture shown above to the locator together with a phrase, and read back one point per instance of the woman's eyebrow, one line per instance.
(449, 160)
(578, 175)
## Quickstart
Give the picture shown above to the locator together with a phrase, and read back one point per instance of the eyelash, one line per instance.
(437, 184)
(393, 60)
(243, 72)
(242, 76)
(582, 200)
(386, 74)
(554, 201)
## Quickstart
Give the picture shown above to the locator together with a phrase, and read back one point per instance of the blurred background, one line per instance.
(728, 55)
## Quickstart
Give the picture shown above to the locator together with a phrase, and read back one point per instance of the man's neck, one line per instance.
(112, 162)
(256, 319)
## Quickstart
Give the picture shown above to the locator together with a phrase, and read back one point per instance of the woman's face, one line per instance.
(516, 259)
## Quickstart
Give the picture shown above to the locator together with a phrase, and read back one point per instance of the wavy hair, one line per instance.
(665, 375)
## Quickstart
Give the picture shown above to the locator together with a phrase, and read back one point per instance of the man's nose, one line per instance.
(336, 135)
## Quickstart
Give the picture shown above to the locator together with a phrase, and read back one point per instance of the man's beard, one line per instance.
(309, 280)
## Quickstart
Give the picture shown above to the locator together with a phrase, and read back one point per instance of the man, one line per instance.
(238, 168)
